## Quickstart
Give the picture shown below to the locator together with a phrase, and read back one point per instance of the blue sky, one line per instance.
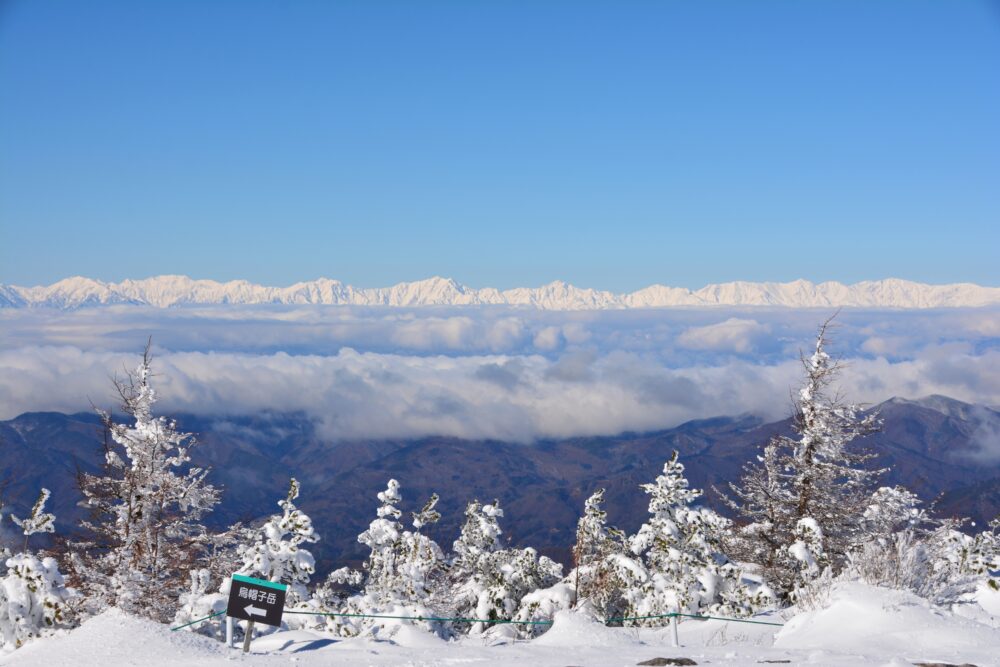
(611, 144)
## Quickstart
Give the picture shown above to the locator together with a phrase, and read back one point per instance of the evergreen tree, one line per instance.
(604, 567)
(145, 532)
(401, 570)
(489, 582)
(278, 553)
(804, 500)
(686, 570)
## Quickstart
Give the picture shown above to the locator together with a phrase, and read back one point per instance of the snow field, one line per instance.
(862, 625)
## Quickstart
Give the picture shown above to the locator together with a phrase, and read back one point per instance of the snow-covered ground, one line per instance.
(860, 625)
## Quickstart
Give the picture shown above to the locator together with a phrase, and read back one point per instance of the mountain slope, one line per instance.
(167, 291)
(930, 445)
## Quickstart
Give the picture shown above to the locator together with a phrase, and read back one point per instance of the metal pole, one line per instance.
(673, 631)
(246, 640)
(229, 631)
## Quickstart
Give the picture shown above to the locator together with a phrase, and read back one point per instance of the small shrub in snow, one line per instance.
(33, 599)
(199, 601)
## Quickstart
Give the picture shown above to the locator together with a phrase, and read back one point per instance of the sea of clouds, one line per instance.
(489, 372)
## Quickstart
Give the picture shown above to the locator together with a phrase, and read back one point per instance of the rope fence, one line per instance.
(447, 619)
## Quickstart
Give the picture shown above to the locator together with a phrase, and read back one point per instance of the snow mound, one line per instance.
(988, 599)
(411, 636)
(575, 629)
(893, 622)
(112, 638)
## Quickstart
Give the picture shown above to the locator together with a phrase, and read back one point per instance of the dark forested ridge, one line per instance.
(937, 447)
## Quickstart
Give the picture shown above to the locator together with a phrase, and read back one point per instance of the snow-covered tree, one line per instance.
(974, 558)
(208, 590)
(401, 562)
(401, 569)
(39, 521)
(891, 509)
(33, 596)
(278, 552)
(489, 582)
(33, 599)
(604, 573)
(605, 569)
(815, 476)
(681, 548)
(144, 531)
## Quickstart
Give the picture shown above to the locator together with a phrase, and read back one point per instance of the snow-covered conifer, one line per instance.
(597, 556)
(146, 507)
(489, 582)
(278, 553)
(401, 571)
(33, 596)
(815, 475)
(681, 548)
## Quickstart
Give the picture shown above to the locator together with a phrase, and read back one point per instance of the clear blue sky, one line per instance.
(611, 144)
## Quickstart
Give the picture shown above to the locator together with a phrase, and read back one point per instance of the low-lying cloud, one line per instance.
(732, 335)
(355, 394)
(493, 372)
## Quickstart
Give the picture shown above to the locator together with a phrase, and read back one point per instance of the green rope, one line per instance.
(637, 618)
(673, 614)
(443, 619)
(734, 620)
(179, 627)
(419, 618)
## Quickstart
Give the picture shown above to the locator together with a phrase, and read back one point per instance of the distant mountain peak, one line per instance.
(176, 290)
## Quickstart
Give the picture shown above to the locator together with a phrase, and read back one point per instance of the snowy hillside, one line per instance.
(165, 291)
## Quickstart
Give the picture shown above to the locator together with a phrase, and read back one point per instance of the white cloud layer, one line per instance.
(507, 373)
(370, 395)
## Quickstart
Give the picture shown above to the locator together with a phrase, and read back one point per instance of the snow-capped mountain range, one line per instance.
(167, 291)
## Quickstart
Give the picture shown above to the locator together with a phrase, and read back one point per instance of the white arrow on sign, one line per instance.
(255, 611)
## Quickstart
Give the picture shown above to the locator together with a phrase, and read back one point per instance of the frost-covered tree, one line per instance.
(144, 531)
(33, 596)
(935, 559)
(815, 476)
(890, 510)
(681, 548)
(208, 589)
(400, 571)
(39, 521)
(605, 571)
(33, 599)
(401, 562)
(278, 552)
(489, 582)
